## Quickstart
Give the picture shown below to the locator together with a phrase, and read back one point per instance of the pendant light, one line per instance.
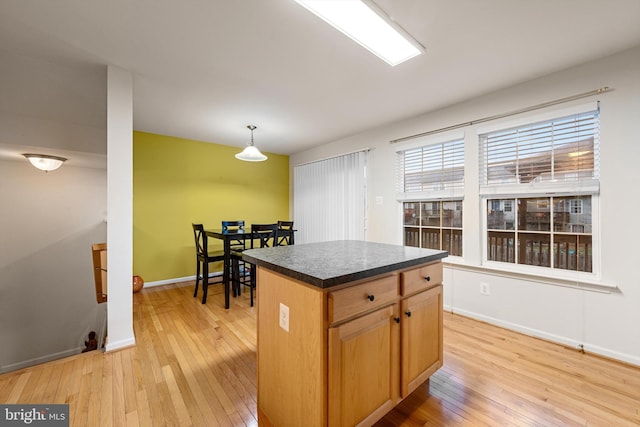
(45, 162)
(251, 152)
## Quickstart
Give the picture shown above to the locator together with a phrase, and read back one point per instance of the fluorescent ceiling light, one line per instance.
(369, 26)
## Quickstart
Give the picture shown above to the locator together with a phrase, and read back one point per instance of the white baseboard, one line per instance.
(117, 345)
(179, 280)
(39, 360)
(569, 342)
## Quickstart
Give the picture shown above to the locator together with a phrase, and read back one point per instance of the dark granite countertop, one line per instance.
(329, 264)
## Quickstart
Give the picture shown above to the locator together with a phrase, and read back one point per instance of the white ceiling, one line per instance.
(204, 69)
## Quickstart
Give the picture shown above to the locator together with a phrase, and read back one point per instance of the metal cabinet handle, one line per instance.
(397, 319)
(427, 278)
(408, 313)
(371, 297)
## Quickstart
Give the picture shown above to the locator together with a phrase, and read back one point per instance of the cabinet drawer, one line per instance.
(348, 302)
(420, 278)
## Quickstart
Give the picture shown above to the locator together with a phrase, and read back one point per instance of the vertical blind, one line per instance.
(563, 149)
(427, 171)
(329, 200)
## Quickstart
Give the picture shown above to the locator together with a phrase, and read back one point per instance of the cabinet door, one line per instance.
(421, 328)
(364, 368)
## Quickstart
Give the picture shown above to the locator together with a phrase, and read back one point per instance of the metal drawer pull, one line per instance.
(371, 297)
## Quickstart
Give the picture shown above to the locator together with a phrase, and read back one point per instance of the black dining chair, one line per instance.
(238, 274)
(204, 256)
(265, 236)
(285, 233)
(235, 226)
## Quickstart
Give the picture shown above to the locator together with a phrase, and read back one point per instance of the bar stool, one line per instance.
(266, 235)
(204, 257)
(237, 246)
(285, 233)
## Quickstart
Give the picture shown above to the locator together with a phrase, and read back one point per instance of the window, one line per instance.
(560, 150)
(539, 183)
(434, 225)
(576, 206)
(431, 185)
(543, 232)
(432, 170)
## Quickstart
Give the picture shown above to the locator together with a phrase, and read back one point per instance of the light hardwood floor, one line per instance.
(195, 364)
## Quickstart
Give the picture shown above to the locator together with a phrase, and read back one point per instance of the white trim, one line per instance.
(433, 195)
(577, 280)
(39, 360)
(558, 339)
(117, 345)
(179, 280)
(555, 188)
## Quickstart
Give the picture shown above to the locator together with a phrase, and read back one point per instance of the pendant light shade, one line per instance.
(45, 162)
(251, 152)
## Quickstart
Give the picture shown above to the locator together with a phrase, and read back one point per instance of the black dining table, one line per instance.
(227, 236)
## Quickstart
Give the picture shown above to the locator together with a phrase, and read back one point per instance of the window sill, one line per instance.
(581, 283)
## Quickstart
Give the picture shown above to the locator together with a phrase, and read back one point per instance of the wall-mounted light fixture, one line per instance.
(45, 162)
(251, 152)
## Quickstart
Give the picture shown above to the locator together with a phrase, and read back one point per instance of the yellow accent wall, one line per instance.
(177, 182)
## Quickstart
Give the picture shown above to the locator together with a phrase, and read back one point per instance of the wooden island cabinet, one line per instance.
(346, 330)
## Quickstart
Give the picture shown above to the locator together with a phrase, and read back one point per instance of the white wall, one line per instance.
(48, 222)
(603, 320)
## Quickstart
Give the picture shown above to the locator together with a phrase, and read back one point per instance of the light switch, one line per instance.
(284, 317)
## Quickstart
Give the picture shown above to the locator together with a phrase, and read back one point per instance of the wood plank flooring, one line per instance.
(195, 365)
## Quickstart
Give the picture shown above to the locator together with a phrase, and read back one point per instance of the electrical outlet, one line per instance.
(284, 317)
(484, 289)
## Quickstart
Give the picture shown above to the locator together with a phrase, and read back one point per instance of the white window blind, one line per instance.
(431, 171)
(555, 152)
(330, 199)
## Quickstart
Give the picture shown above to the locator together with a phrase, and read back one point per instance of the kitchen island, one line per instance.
(346, 330)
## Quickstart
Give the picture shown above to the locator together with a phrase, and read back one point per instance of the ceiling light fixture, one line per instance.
(45, 162)
(251, 152)
(367, 24)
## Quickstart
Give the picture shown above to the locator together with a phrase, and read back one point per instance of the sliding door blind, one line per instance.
(562, 150)
(431, 171)
(330, 199)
